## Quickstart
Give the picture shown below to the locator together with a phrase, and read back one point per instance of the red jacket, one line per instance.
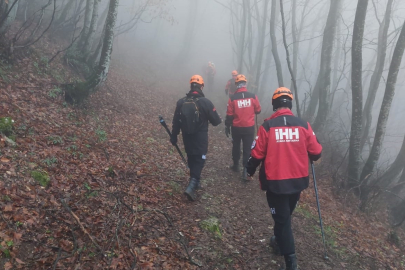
(230, 87)
(283, 144)
(242, 107)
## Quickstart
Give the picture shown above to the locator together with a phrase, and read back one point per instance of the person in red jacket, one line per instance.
(230, 87)
(240, 115)
(283, 145)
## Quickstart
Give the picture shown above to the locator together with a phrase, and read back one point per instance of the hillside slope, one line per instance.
(114, 196)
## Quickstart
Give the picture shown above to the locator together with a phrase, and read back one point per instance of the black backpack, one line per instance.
(190, 116)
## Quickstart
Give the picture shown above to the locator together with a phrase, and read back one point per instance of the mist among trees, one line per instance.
(342, 59)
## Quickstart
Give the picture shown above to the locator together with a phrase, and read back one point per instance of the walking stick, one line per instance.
(162, 121)
(319, 212)
(257, 128)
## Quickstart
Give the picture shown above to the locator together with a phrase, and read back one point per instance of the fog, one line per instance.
(176, 39)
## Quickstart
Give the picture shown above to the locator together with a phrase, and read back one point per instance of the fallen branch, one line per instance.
(80, 224)
(8, 141)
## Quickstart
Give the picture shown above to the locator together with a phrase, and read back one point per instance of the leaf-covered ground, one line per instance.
(115, 194)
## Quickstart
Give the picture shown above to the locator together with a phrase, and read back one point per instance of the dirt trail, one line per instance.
(244, 217)
(354, 240)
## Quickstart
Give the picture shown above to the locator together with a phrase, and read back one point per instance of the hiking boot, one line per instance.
(290, 262)
(274, 245)
(191, 188)
(234, 167)
(244, 175)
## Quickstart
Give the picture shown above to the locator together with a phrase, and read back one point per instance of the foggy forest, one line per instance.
(91, 179)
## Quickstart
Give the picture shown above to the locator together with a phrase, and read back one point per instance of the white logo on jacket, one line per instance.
(287, 135)
(244, 103)
(254, 142)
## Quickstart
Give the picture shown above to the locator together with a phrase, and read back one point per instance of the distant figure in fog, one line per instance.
(192, 114)
(283, 145)
(230, 87)
(210, 73)
(240, 116)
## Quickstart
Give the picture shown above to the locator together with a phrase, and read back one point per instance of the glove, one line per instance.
(227, 131)
(173, 139)
(318, 161)
(250, 171)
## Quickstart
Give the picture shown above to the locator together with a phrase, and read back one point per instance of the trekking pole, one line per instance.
(162, 121)
(257, 128)
(319, 212)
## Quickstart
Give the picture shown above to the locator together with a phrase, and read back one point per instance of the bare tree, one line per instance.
(241, 42)
(257, 67)
(378, 70)
(92, 30)
(385, 106)
(80, 91)
(8, 12)
(322, 87)
(86, 23)
(273, 19)
(357, 92)
(189, 34)
(288, 60)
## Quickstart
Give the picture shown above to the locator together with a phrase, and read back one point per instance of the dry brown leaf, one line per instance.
(8, 266)
(4, 160)
(19, 261)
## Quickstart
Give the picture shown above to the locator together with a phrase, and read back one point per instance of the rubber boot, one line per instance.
(290, 262)
(274, 245)
(191, 188)
(235, 167)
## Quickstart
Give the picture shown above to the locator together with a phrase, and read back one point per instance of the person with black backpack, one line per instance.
(192, 114)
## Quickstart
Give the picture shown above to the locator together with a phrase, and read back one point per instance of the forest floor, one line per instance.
(98, 186)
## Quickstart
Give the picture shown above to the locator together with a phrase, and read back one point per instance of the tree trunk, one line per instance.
(105, 58)
(388, 178)
(79, 92)
(63, 15)
(8, 15)
(385, 106)
(322, 85)
(274, 50)
(260, 47)
(92, 31)
(86, 23)
(294, 38)
(241, 43)
(357, 95)
(378, 70)
(249, 40)
(288, 59)
(184, 53)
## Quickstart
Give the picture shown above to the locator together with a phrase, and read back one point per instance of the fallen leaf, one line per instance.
(4, 160)
(8, 266)
(19, 261)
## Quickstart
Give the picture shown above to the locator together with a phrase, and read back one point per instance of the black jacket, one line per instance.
(197, 143)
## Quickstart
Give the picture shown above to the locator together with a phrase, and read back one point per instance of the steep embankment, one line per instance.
(114, 197)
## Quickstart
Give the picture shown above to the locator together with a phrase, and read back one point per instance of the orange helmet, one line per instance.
(282, 91)
(240, 78)
(234, 73)
(197, 79)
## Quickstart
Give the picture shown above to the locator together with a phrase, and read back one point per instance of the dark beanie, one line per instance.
(281, 102)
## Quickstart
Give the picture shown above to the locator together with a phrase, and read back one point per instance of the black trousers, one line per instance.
(282, 206)
(196, 164)
(246, 135)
